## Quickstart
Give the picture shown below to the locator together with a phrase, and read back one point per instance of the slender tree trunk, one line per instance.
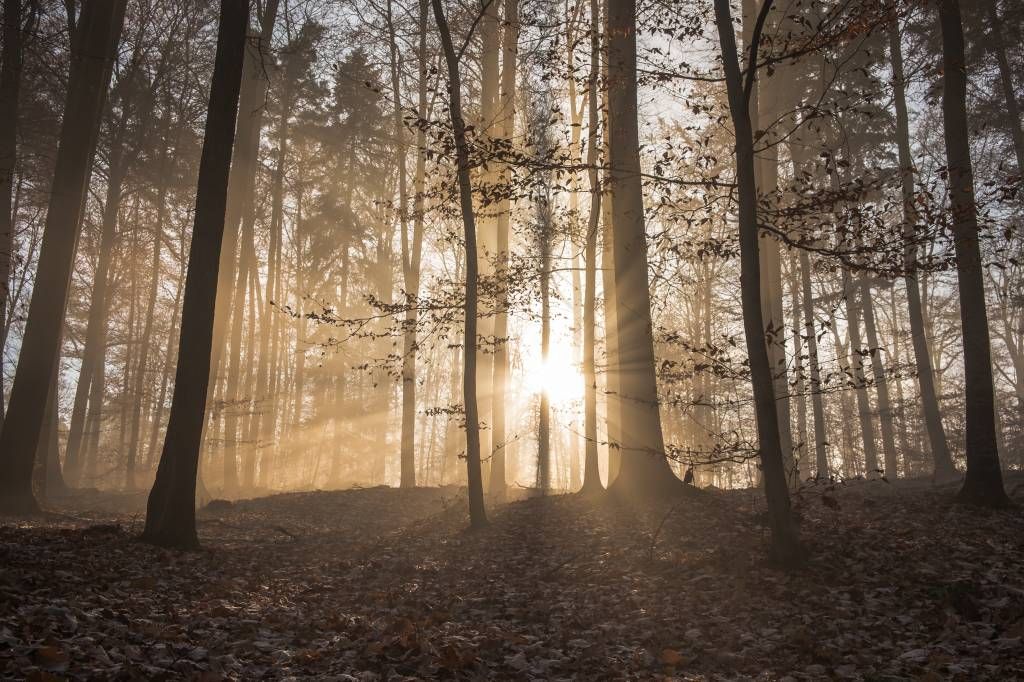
(10, 86)
(252, 104)
(943, 462)
(490, 47)
(613, 398)
(507, 122)
(88, 404)
(170, 513)
(411, 248)
(817, 402)
(786, 545)
(984, 482)
(92, 58)
(544, 418)
(591, 471)
(645, 470)
(477, 512)
(763, 112)
(800, 449)
(885, 412)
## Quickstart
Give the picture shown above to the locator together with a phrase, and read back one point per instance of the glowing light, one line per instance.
(559, 378)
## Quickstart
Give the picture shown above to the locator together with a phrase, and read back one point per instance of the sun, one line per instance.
(559, 378)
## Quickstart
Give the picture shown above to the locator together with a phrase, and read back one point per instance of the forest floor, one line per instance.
(380, 583)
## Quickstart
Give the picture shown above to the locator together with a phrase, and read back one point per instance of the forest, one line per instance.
(512, 339)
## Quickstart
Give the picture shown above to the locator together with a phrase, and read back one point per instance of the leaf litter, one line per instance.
(387, 584)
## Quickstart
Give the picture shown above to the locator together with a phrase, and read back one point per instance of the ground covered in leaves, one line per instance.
(379, 583)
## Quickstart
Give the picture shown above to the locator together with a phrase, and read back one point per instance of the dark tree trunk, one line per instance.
(477, 512)
(786, 545)
(170, 513)
(99, 31)
(984, 482)
(10, 85)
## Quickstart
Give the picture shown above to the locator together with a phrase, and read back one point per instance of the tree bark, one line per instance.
(170, 513)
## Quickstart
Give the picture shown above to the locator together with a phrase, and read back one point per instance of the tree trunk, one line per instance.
(591, 471)
(644, 470)
(943, 462)
(811, 335)
(10, 85)
(411, 248)
(252, 104)
(507, 121)
(490, 47)
(800, 449)
(92, 62)
(89, 391)
(170, 513)
(477, 512)
(545, 227)
(984, 482)
(885, 413)
(613, 402)
(786, 546)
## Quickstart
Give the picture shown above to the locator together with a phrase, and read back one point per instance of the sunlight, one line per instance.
(559, 378)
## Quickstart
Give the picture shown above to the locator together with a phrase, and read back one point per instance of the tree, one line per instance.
(170, 512)
(477, 512)
(984, 482)
(507, 124)
(93, 54)
(591, 473)
(943, 462)
(786, 545)
(645, 470)
(10, 84)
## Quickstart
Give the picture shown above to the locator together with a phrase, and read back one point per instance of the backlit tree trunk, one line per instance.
(477, 512)
(507, 120)
(591, 472)
(170, 512)
(984, 482)
(644, 469)
(785, 538)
